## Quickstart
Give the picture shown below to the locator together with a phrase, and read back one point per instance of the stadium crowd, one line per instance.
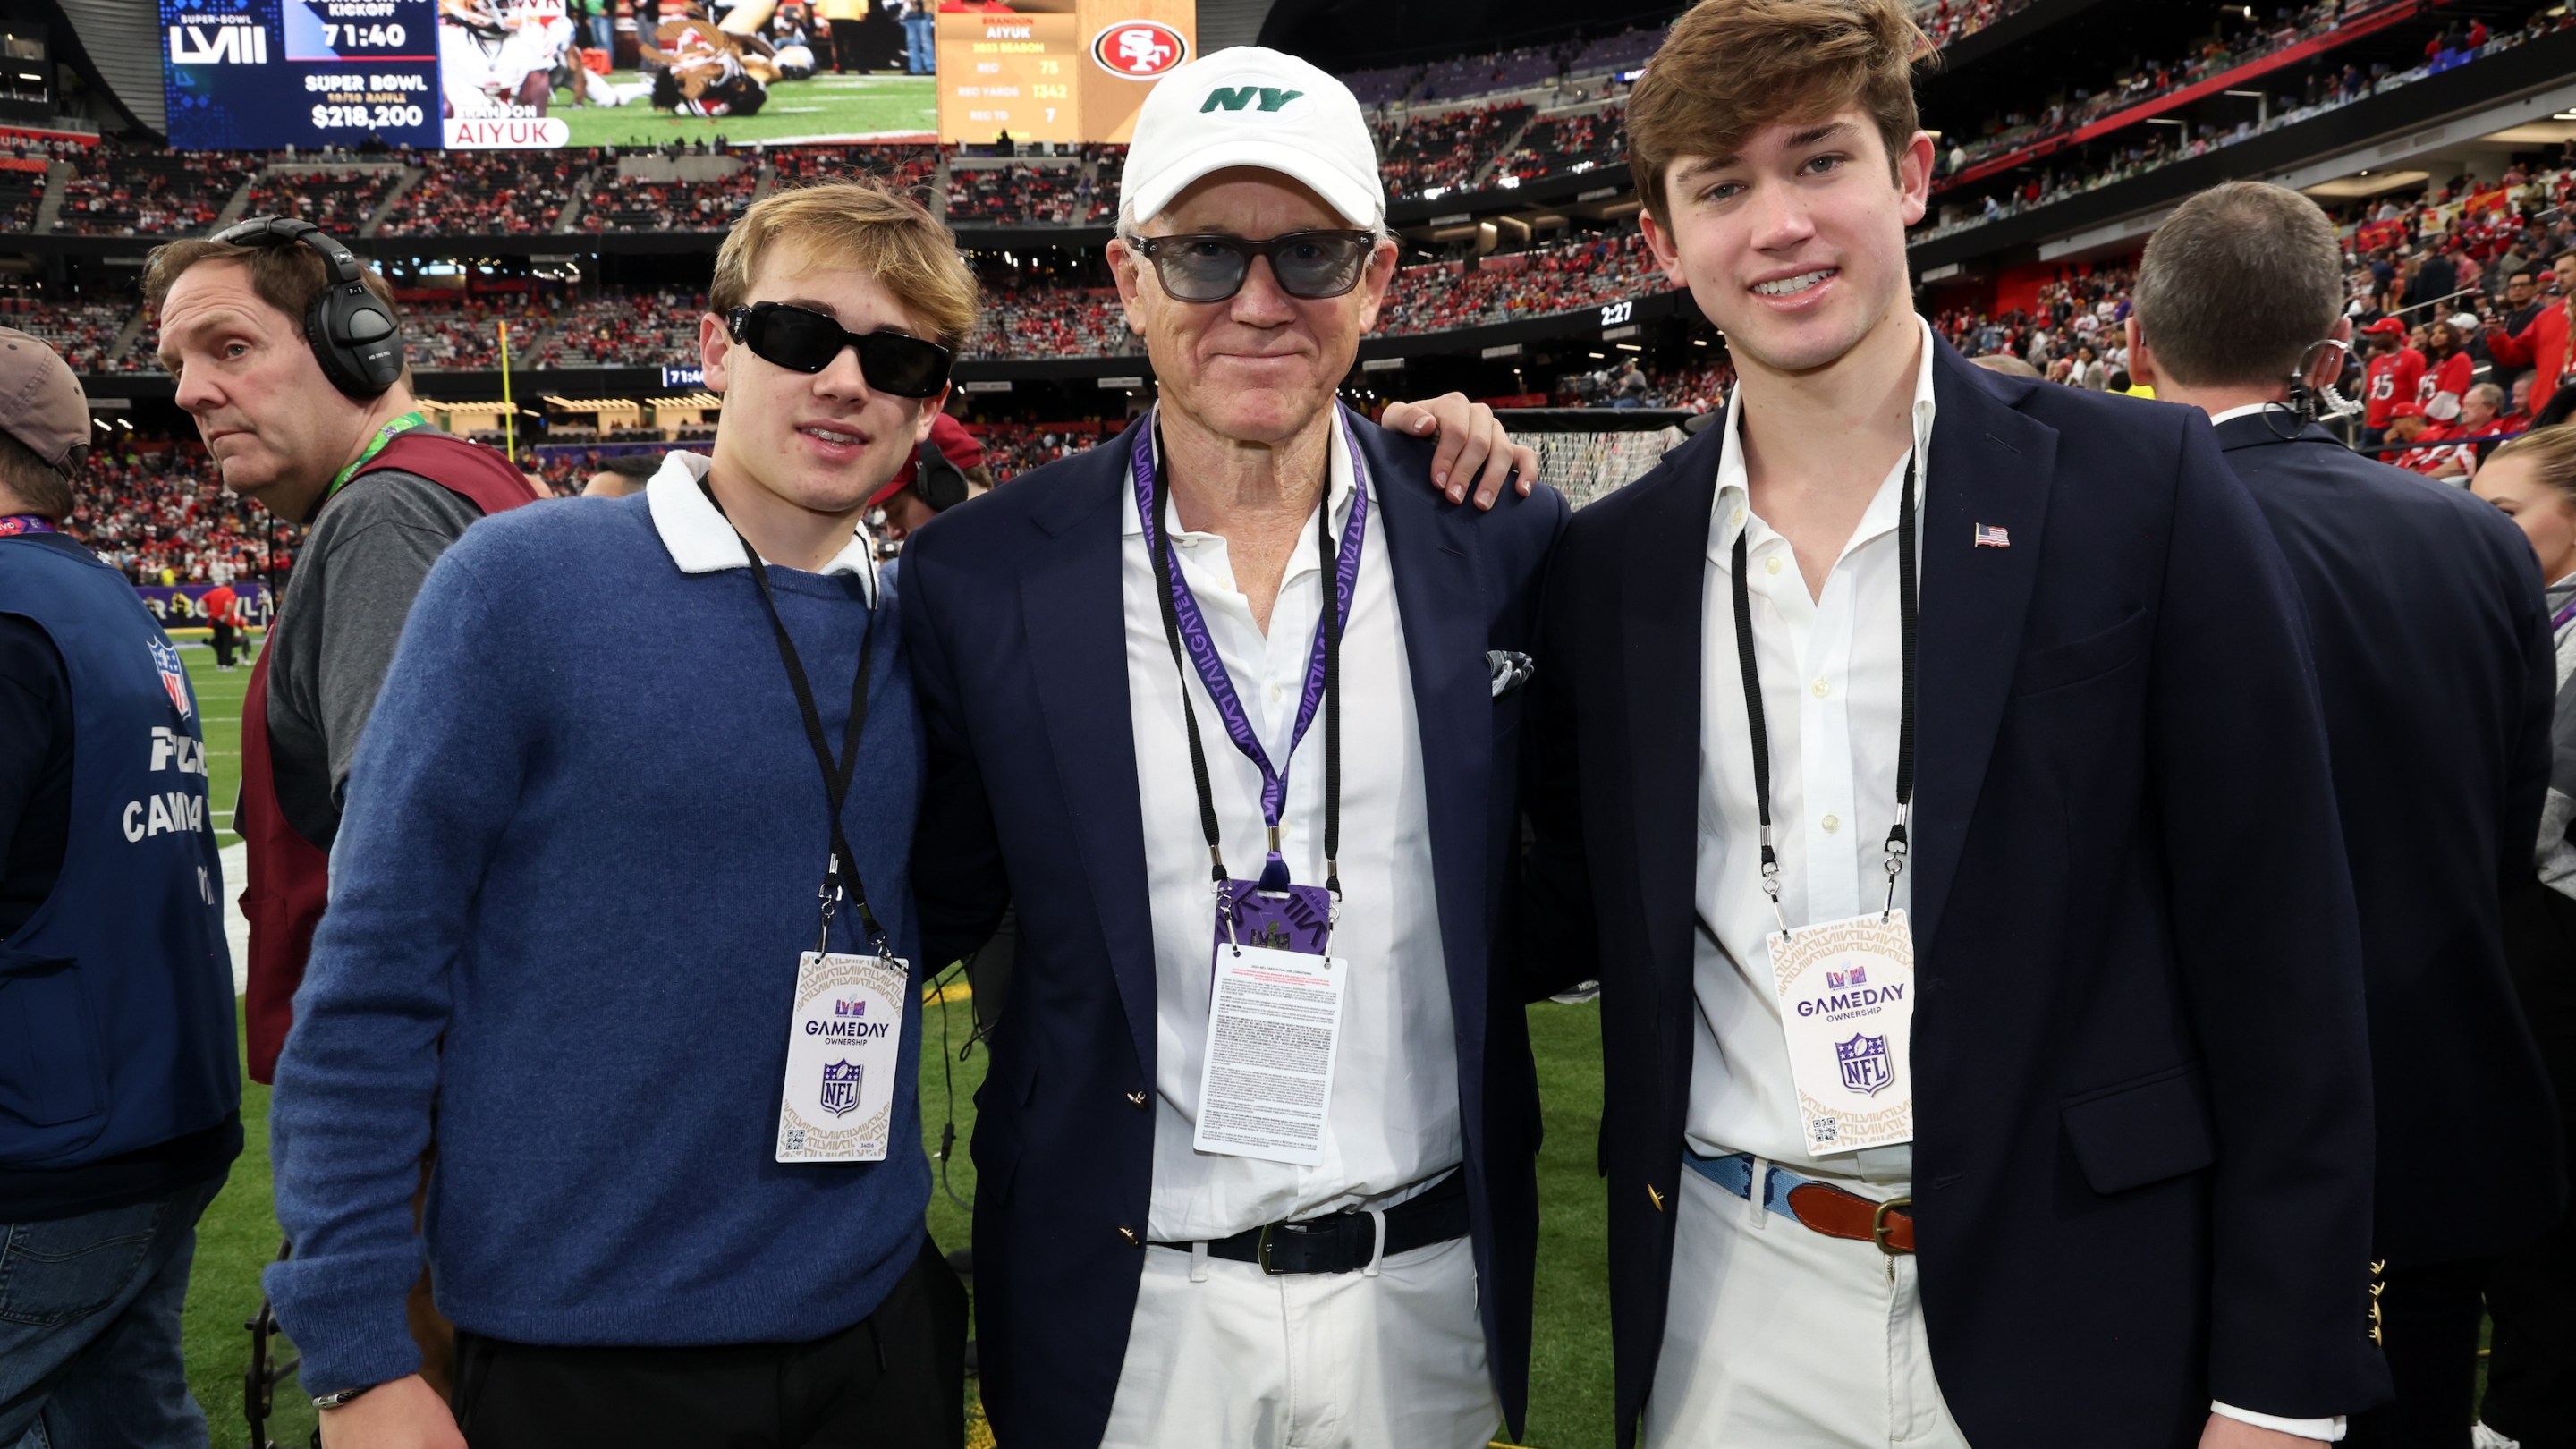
(1431, 156)
(2016, 189)
(480, 193)
(154, 509)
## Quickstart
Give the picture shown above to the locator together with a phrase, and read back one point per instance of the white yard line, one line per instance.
(236, 863)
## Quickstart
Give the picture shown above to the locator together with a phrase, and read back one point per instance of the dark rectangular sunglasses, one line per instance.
(807, 341)
(1211, 266)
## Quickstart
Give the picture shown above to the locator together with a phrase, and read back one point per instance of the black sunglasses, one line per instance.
(807, 341)
(1211, 266)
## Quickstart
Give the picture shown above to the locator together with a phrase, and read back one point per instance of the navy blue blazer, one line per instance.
(2143, 1140)
(1017, 634)
(2433, 651)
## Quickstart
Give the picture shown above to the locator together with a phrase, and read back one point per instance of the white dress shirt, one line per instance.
(1392, 1124)
(1831, 677)
(1831, 672)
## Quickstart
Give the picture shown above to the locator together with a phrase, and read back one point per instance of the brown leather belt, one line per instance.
(1819, 1206)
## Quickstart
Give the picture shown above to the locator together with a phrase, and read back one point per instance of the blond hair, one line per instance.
(862, 226)
(2551, 452)
(1733, 67)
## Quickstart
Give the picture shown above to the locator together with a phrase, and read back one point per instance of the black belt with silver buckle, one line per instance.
(1345, 1242)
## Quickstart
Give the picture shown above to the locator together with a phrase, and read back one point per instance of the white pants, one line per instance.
(1245, 1360)
(1780, 1337)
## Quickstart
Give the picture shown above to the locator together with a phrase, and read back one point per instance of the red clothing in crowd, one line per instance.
(2390, 380)
(2542, 347)
(2452, 375)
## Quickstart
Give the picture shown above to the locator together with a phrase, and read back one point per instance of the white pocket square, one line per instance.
(1510, 670)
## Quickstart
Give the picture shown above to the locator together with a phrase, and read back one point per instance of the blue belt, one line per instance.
(1813, 1203)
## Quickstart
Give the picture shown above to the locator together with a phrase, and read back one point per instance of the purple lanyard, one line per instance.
(2557, 621)
(1188, 632)
(17, 523)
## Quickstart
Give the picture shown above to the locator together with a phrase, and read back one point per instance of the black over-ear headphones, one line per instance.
(352, 334)
(939, 481)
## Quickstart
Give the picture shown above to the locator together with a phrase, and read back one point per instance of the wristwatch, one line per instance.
(333, 1401)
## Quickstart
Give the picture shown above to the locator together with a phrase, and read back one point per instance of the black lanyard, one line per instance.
(1163, 567)
(1905, 606)
(843, 863)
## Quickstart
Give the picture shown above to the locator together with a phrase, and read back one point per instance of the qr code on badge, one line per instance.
(1825, 1130)
(793, 1140)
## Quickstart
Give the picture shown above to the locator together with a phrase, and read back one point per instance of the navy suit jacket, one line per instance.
(2142, 1160)
(2433, 651)
(1016, 628)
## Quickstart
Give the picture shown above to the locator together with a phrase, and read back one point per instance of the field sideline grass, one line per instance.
(1570, 1368)
(823, 104)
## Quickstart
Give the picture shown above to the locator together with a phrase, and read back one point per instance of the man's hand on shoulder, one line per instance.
(2223, 1432)
(1471, 438)
(403, 1414)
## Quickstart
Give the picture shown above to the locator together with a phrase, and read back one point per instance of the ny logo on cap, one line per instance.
(1235, 98)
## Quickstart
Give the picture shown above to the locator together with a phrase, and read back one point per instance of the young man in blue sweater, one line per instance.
(575, 915)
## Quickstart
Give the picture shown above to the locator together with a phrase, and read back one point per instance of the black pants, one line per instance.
(894, 1380)
(2429, 1330)
(849, 47)
(2531, 1375)
(223, 644)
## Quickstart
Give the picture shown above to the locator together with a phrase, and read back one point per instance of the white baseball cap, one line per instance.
(1247, 106)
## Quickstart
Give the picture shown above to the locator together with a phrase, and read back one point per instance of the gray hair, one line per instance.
(2488, 393)
(2238, 284)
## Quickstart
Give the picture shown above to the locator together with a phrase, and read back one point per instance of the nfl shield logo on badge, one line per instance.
(1864, 1061)
(840, 1087)
(173, 677)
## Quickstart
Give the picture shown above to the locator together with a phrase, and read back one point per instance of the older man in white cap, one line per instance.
(1229, 709)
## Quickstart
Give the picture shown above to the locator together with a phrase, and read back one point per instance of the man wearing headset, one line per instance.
(288, 352)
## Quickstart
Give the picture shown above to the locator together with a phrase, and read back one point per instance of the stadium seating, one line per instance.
(1559, 145)
(631, 203)
(156, 511)
(643, 329)
(1030, 196)
(906, 169)
(487, 193)
(132, 190)
(2022, 188)
(334, 200)
(1434, 155)
(1570, 276)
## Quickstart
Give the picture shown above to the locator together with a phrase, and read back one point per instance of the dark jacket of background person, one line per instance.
(118, 1081)
(2433, 655)
(1015, 622)
(2142, 1163)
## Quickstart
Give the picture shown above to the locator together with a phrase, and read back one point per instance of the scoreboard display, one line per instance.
(1057, 70)
(262, 74)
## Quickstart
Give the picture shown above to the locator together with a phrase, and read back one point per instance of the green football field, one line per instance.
(821, 105)
(1570, 1367)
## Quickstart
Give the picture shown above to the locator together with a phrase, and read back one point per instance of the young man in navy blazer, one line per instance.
(1245, 646)
(1980, 986)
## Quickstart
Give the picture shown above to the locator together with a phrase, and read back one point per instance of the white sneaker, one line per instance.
(2482, 1437)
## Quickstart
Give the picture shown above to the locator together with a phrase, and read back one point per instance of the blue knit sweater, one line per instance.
(579, 860)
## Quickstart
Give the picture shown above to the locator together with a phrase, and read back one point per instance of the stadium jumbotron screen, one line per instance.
(514, 74)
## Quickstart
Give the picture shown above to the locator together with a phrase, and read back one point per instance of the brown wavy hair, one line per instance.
(1732, 67)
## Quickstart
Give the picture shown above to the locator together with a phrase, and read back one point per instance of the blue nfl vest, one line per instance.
(116, 999)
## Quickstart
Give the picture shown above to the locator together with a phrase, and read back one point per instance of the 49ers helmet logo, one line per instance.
(1139, 49)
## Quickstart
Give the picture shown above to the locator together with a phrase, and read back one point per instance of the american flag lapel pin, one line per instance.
(1989, 536)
